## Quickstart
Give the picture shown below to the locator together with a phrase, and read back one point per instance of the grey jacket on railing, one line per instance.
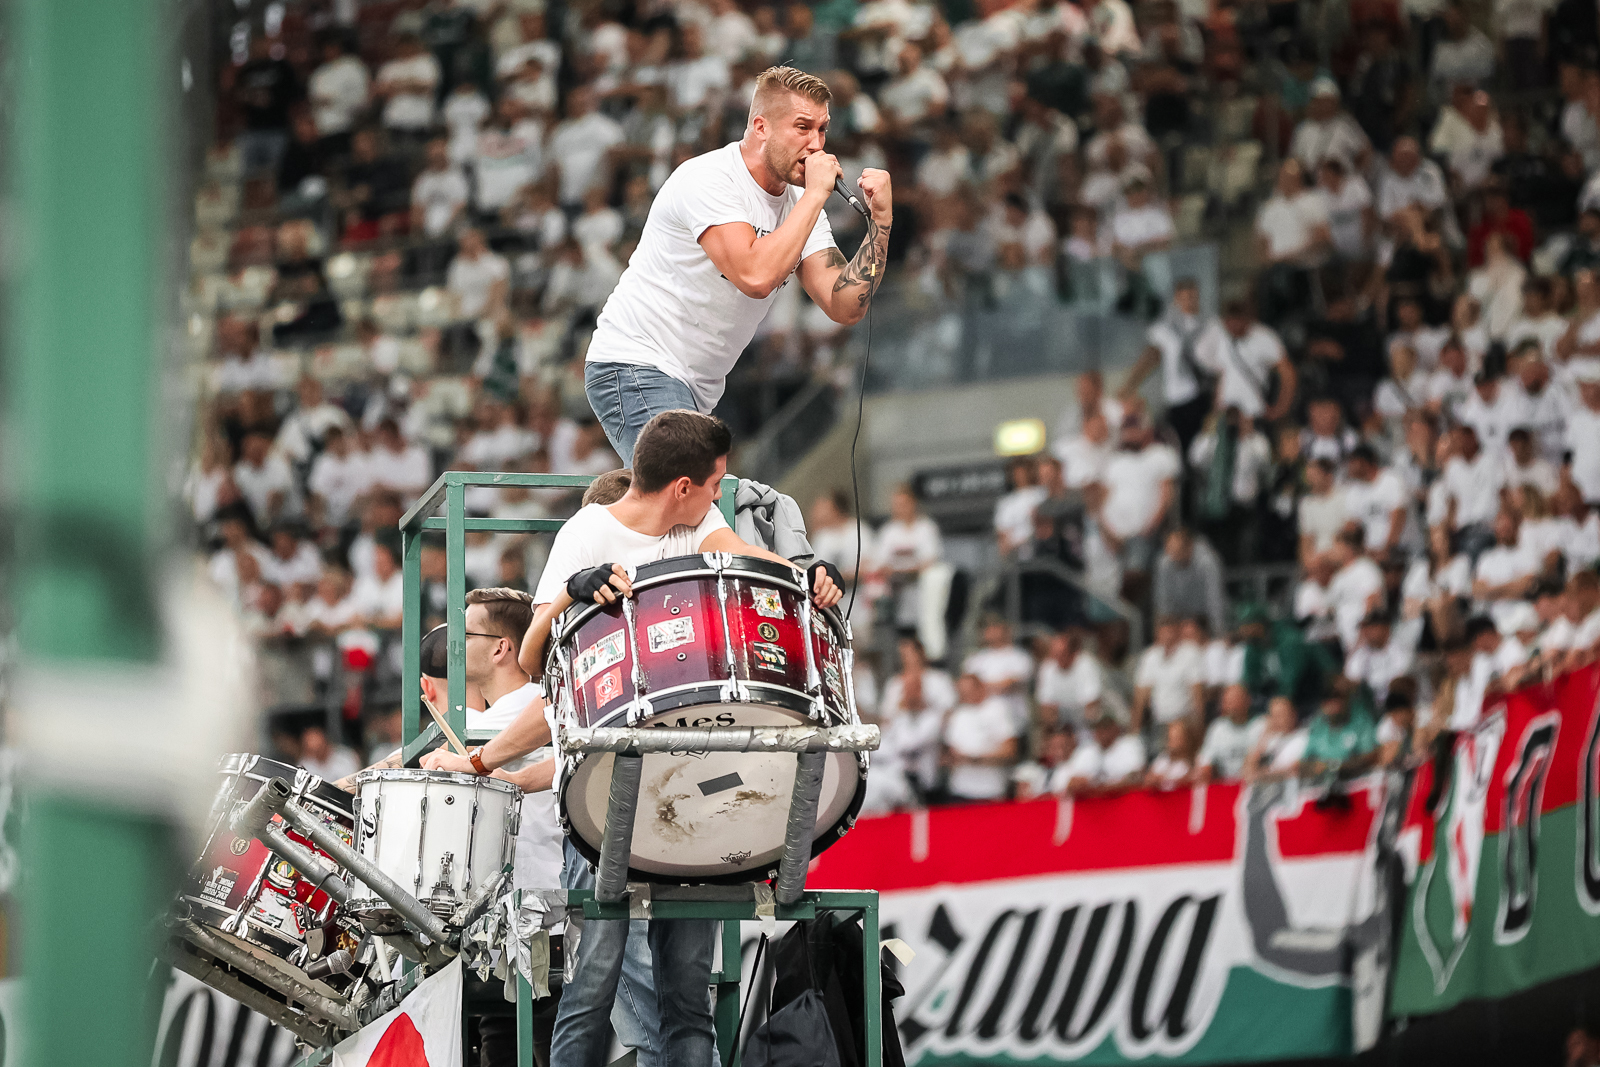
(763, 516)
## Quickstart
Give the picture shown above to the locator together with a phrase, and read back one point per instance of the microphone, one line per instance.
(844, 190)
(338, 962)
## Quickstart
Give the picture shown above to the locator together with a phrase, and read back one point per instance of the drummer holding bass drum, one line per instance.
(668, 510)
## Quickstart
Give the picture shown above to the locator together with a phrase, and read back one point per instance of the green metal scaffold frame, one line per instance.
(448, 494)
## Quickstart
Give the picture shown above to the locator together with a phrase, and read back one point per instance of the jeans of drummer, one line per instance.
(625, 397)
(612, 986)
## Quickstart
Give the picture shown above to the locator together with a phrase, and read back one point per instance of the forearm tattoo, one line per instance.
(866, 269)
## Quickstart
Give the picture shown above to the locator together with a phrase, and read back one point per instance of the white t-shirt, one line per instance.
(1337, 138)
(1116, 761)
(1013, 513)
(1287, 224)
(440, 194)
(906, 546)
(539, 853)
(1475, 486)
(913, 736)
(1283, 752)
(1245, 364)
(376, 599)
(578, 147)
(1171, 678)
(1346, 211)
(1227, 744)
(338, 93)
(673, 310)
(1133, 487)
(977, 730)
(472, 280)
(1071, 689)
(1350, 591)
(996, 666)
(1177, 377)
(305, 566)
(594, 536)
(915, 96)
(410, 111)
(1373, 504)
(258, 484)
(1131, 227)
(408, 471)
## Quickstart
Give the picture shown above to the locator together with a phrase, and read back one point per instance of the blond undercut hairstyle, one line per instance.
(776, 83)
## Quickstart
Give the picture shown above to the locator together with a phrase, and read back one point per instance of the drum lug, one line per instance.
(718, 561)
(640, 710)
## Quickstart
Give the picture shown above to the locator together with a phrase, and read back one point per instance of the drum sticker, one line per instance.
(240, 846)
(670, 634)
(608, 688)
(769, 656)
(218, 886)
(830, 674)
(604, 653)
(767, 631)
(769, 604)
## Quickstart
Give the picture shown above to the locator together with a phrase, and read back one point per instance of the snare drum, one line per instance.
(706, 640)
(441, 835)
(246, 892)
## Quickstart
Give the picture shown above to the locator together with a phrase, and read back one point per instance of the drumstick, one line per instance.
(455, 742)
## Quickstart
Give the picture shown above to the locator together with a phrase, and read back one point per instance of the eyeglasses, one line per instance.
(497, 637)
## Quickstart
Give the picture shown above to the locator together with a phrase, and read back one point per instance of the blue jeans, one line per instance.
(662, 1007)
(624, 397)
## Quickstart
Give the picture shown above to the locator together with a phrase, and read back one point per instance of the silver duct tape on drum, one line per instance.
(339, 1013)
(802, 821)
(224, 982)
(859, 738)
(611, 878)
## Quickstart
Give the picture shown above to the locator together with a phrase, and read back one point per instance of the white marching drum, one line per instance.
(442, 835)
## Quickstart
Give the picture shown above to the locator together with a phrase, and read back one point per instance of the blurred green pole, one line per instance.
(80, 381)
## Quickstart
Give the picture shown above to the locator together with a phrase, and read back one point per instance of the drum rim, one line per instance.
(202, 912)
(820, 844)
(330, 795)
(742, 566)
(422, 774)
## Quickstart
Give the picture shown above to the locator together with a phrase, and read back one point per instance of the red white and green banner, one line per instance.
(1504, 872)
(1205, 925)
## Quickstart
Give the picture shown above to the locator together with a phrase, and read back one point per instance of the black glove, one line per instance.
(821, 567)
(583, 585)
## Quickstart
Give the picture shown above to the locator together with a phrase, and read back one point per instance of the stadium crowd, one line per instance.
(414, 211)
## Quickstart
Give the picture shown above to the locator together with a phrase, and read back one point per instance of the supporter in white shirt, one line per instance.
(1322, 512)
(1084, 455)
(1505, 574)
(1376, 498)
(1050, 773)
(600, 224)
(439, 195)
(831, 529)
(307, 426)
(408, 83)
(506, 157)
(1174, 765)
(338, 478)
(1437, 580)
(1347, 202)
(396, 466)
(338, 89)
(478, 278)
(580, 144)
(380, 598)
(1385, 652)
(1412, 330)
(1356, 589)
(536, 47)
(911, 714)
(1229, 738)
(1313, 608)
(980, 742)
(917, 93)
(327, 761)
(909, 541)
(264, 480)
(1140, 225)
(291, 560)
(1583, 431)
(1280, 745)
(1140, 480)
(1004, 669)
(730, 33)
(1171, 343)
(1108, 759)
(240, 563)
(1089, 389)
(1013, 512)
(1537, 321)
(1069, 687)
(1468, 135)
(696, 80)
(332, 610)
(1497, 286)
(1328, 132)
(1546, 402)
(1292, 226)
(1492, 656)
(1244, 354)
(1528, 467)
(1472, 480)
(464, 112)
(1464, 54)
(1405, 389)
(1451, 384)
(1170, 678)
(1493, 409)
(1410, 180)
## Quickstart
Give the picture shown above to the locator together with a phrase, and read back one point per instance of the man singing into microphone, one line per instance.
(724, 234)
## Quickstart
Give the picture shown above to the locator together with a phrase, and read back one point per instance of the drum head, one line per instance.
(709, 817)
